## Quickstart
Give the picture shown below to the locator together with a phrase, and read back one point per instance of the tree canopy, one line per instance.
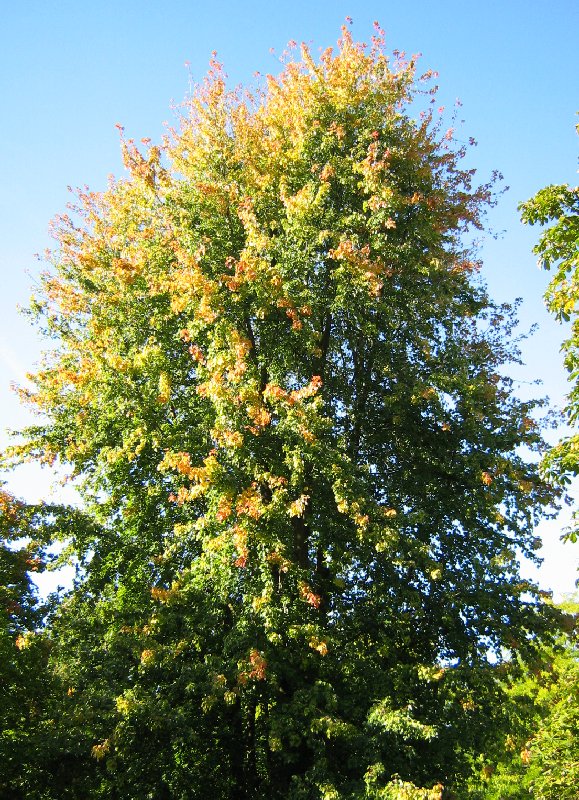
(284, 390)
(557, 207)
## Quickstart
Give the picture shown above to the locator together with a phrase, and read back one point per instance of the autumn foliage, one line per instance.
(281, 385)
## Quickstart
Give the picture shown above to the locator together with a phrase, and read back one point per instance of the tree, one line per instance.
(558, 247)
(538, 756)
(283, 388)
(553, 754)
(41, 744)
(554, 751)
(22, 658)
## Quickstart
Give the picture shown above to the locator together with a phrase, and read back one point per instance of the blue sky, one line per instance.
(70, 70)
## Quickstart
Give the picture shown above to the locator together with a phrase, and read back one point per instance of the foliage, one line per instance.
(21, 658)
(558, 248)
(41, 746)
(282, 386)
(553, 753)
(539, 756)
(554, 750)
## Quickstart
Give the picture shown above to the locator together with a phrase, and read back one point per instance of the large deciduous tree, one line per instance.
(284, 389)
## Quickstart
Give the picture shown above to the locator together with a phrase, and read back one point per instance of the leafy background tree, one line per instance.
(23, 658)
(550, 760)
(557, 207)
(284, 391)
(537, 756)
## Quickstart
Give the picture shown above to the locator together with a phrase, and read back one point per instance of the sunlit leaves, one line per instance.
(557, 208)
(282, 386)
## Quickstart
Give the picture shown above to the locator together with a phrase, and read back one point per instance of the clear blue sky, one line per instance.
(70, 70)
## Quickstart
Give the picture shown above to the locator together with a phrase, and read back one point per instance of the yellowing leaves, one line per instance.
(126, 271)
(224, 509)
(486, 478)
(259, 415)
(273, 392)
(276, 559)
(256, 238)
(202, 477)
(299, 203)
(319, 645)
(158, 593)
(298, 507)
(148, 657)
(162, 595)
(164, 394)
(327, 173)
(255, 669)
(239, 539)
(180, 462)
(100, 751)
(261, 602)
(227, 437)
(364, 268)
(250, 503)
(308, 594)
